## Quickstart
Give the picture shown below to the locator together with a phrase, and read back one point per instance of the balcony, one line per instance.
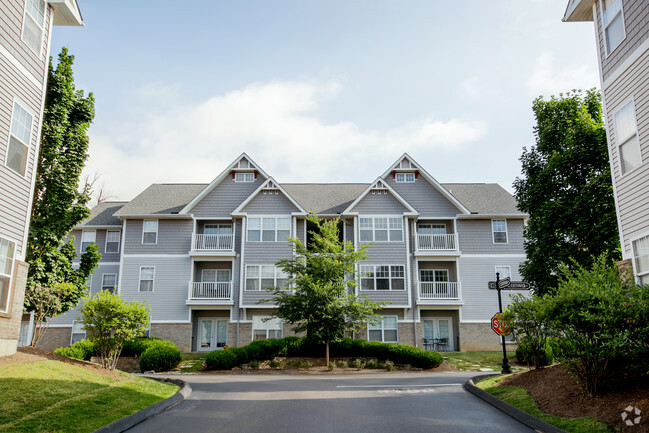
(440, 292)
(436, 244)
(212, 245)
(201, 293)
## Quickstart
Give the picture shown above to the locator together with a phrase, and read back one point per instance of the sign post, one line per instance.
(499, 286)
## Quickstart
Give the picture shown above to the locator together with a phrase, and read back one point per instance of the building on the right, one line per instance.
(622, 40)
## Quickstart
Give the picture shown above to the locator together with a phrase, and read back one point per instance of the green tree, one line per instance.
(59, 204)
(109, 321)
(320, 274)
(566, 189)
(528, 318)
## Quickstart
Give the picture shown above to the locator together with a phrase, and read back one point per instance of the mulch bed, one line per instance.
(558, 393)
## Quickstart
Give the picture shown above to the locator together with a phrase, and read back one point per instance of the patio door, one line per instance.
(212, 334)
(440, 332)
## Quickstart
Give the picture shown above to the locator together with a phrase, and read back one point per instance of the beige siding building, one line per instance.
(622, 38)
(24, 52)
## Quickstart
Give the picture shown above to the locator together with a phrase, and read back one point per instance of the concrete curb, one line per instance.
(121, 425)
(520, 416)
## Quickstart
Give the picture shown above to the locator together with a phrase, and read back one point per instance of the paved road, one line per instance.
(354, 403)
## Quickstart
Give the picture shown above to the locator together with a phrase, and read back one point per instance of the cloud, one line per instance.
(549, 79)
(276, 123)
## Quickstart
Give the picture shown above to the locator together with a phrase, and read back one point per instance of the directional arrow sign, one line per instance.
(513, 285)
(505, 282)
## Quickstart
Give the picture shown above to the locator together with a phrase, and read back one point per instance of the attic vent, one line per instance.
(379, 187)
(270, 188)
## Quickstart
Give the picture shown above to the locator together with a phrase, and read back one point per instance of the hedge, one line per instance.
(160, 356)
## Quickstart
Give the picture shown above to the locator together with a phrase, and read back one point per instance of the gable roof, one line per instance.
(254, 166)
(485, 198)
(325, 198)
(102, 215)
(270, 183)
(430, 179)
(161, 199)
(381, 184)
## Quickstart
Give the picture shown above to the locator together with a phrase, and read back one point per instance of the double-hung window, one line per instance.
(387, 331)
(640, 259)
(613, 23)
(499, 231)
(264, 327)
(147, 275)
(382, 277)
(269, 229)
(33, 24)
(626, 131)
(262, 277)
(109, 282)
(404, 177)
(78, 332)
(112, 241)
(381, 229)
(150, 232)
(7, 249)
(21, 131)
(87, 239)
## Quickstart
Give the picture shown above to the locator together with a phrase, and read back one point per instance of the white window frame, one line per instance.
(494, 231)
(405, 177)
(381, 327)
(104, 286)
(76, 330)
(278, 275)
(7, 263)
(431, 226)
(144, 231)
(218, 226)
(363, 226)
(446, 279)
(631, 139)
(87, 237)
(28, 18)
(152, 279)
(272, 325)
(245, 177)
(118, 241)
(641, 276)
(614, 10)
(263, 224)
(364, 276)
(216, 276)
(20, 127)
(499, 268)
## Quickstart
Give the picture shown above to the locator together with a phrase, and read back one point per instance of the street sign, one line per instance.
(513, 285)
(505, 282)
(498, 324)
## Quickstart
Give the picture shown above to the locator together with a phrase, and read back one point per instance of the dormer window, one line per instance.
(404, 177)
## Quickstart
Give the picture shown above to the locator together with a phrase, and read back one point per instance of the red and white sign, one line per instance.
(498, 324)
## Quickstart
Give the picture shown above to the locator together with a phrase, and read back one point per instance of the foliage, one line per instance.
(331, 365)
(528, 318)
(82, 349)
(320, 304)
(566, 189)
(160, 356)
(221, 360)
(58, 204)
(358, 363)
(137, 346)
(46, 302)
(109, 321)
(389, 365)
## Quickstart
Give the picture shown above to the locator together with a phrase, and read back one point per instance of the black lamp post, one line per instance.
(506, 369)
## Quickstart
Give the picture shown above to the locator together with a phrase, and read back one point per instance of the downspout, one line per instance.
(241, 275)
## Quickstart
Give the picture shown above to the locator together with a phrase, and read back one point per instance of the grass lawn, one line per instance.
(192, 362)
(474, 361)
(519, 398)
(51, 396)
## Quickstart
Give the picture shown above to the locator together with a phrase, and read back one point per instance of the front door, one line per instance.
(438, 333)
(212, 334)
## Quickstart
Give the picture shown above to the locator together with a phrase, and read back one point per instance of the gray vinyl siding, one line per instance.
(475, 237)
(300, 229)
(632, 188)
(270, 204)
(427, 200)
(174, 237)
(481, 303)
(100, 240)
(170, 286)
(636, 25)
(225, 198)
(262, 253)
(379, 204)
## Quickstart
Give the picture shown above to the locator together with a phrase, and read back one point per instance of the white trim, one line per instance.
(374, 277)
(34, 80)
(625, 65)
(104, 263)
(604, 27)
(170, 321)
(633, 239)
(493, 232)
(373, 217)
(261, 227)
(262, 187)
(382, 340)
(475, 321)
(411, 211)
(167, 256)
(628, 101)
(409, 258)
(28, 145)
(157, 230)
(6, 309)
(119, 242)
(492, 256)
(503, 266)
(121, 258)
(139, 280)
(102, 280)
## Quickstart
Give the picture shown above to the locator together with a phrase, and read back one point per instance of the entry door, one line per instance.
(212, 334)
(440, 331)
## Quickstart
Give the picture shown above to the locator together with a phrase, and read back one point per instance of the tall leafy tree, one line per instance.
(566, 189)
(59, 202)
(320, 272)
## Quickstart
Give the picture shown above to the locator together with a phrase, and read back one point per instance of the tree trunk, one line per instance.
(327, 353)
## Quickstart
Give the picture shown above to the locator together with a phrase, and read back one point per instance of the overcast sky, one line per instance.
(319, 91)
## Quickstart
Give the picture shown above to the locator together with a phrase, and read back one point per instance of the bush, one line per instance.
(221, 360)
(358, 363)
(160, 356)
(137, 346)
(528, 353)
(342, 364)
(82, 349)
(331, 365)
(389, 365)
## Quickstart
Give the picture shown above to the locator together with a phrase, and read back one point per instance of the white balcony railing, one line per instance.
(202, 242)
(221, 291)
(437, 242)
(440, 290)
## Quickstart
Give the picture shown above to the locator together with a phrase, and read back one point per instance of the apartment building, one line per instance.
(25, 36)
(201, 255)
(622, 43)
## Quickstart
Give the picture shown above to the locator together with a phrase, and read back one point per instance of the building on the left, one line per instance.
(25, 37)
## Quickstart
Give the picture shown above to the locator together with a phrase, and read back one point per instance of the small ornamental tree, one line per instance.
(321, 275)
(109, 321)
(46, 302)
(528, 318)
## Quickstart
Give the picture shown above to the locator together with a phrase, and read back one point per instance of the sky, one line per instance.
(319, 91)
